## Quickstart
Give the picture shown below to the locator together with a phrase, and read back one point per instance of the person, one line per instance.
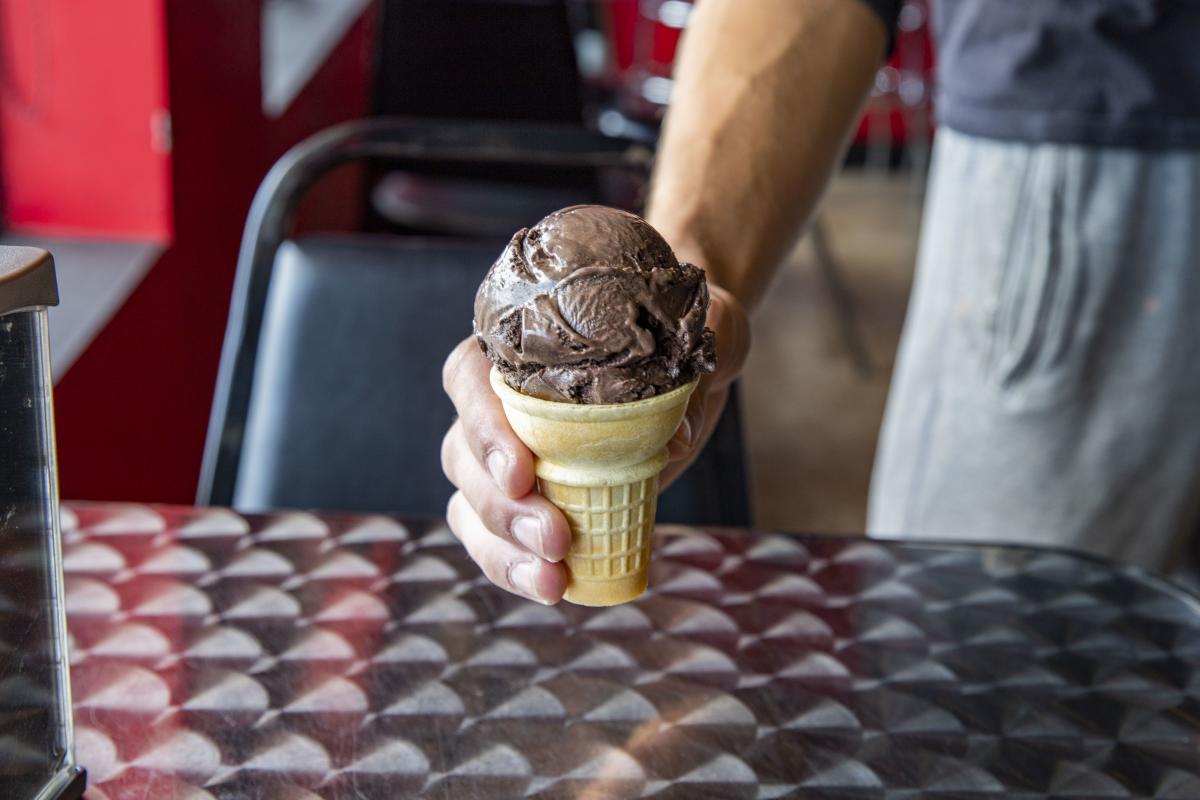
(1047, 388)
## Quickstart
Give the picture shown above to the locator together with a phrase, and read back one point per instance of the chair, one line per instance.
(329, 390)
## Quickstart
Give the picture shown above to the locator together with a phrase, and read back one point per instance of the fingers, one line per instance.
(486, 431)
(512, 568)
(727, 318)
(680, 459)
(691, 429)
(511, 532)
(531, 522)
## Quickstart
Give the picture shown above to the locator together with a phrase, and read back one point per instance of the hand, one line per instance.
(727, 318)
(516, 536)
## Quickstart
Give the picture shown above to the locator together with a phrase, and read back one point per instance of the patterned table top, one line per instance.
(294, 656)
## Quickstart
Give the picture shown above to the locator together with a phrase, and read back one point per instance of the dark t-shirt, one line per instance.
(1104, 72)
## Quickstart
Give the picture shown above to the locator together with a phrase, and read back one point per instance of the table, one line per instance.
(292, 656)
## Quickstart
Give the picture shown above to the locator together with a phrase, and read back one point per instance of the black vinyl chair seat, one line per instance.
(347, 409)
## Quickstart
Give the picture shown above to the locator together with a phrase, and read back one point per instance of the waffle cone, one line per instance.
(599, 464)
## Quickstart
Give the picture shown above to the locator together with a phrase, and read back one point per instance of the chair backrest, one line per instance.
(329, 393)
(347, 409)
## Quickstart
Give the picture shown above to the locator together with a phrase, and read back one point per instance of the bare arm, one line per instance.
(766, 92)
(765, 95)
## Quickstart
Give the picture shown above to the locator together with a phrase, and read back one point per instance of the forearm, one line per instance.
(765, 96)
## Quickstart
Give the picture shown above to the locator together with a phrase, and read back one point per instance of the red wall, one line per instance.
(84, 118)
(132, 412)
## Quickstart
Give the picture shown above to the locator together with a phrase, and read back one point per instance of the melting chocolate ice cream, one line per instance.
(591, 306)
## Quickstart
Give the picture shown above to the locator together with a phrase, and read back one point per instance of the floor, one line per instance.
(811, 418)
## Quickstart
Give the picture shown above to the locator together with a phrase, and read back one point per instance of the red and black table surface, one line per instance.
(294, 656)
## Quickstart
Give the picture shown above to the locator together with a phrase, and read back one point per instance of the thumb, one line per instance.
(728, 320)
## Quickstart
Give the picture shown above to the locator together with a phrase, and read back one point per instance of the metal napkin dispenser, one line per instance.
(37, 758)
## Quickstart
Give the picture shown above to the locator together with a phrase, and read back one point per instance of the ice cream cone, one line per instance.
(600, 465)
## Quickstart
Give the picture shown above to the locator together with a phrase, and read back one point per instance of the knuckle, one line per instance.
(452, 512)
(448, 369)
(448, 452)
(494, 514)
(499, 577)
(481, 437)
(497, 515)
(452, 365)
(491, 566)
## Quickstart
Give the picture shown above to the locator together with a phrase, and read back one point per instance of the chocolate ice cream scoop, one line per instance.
(591, 306)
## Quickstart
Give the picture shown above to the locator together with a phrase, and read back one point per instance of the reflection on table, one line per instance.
(323, 656)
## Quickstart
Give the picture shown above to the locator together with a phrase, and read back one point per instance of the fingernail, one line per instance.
(528, 531)
(685, 431)
(497, 464)
(520, 575)
(681, 443)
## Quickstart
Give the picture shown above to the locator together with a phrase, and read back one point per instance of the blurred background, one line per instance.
(132, 143)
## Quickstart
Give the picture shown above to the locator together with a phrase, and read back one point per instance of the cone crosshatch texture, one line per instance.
(599, 464)
(612, 531)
